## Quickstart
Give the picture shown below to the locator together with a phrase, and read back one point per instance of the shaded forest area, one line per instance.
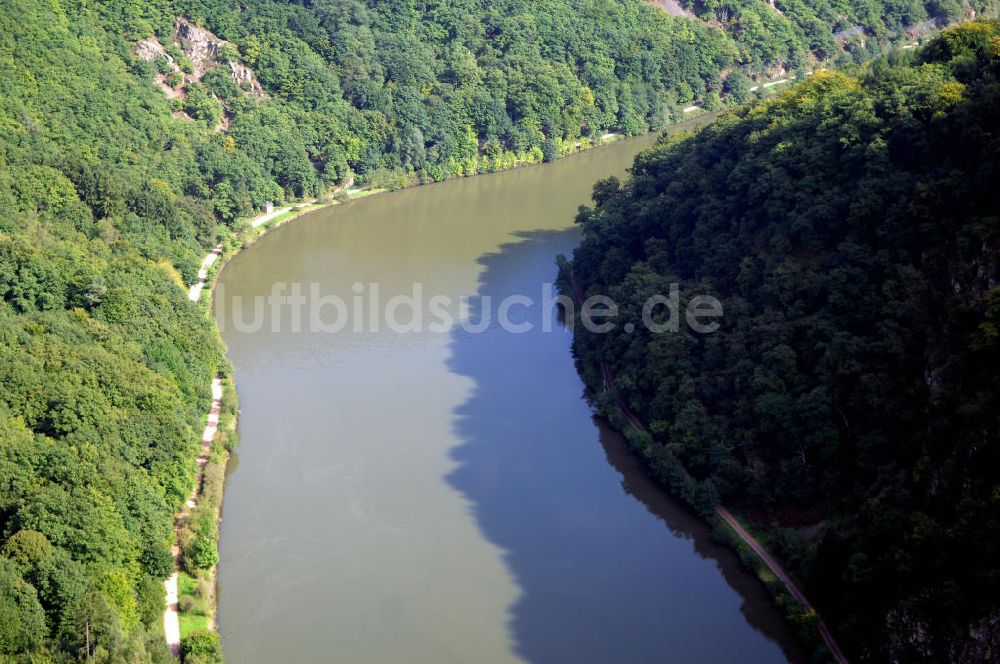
(848, 404)
(118, 172)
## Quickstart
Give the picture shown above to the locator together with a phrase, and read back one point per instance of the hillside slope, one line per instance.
(848, 404)
(134, 135)
(132, 139)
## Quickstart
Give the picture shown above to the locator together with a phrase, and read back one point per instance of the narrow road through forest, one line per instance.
(171, 618)
(727, 516)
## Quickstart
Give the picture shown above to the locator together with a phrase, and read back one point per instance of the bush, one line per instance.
(201, 647)
(27, 548)
(228, 53)
(204, 553)
(150, 595)
(157, 561)
(202, 105)
(204, 588)
(550, 150)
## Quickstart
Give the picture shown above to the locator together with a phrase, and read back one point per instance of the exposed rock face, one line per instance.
(912, 639)
(673, 7)
(198, 44)
(150, 50)
(245, 78)
(203, 48)
(853, 31)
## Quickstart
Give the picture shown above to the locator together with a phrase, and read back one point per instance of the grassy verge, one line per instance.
(196, 606)
(199, 534)
(362, 193)
(804, 622)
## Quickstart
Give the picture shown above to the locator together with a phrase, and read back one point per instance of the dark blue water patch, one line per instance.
(610, 568)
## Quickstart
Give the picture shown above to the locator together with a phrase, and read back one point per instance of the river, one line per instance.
(446, 495)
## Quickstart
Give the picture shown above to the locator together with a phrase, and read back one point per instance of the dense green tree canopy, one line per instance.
(124, 157)
(849, 401)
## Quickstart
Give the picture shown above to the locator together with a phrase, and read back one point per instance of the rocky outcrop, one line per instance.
(198, 44)
(910, 638)
(204, 50)
(151, 50)
(245, 78)
(843, 35)
(673, 7)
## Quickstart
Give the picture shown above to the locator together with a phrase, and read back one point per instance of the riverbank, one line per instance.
(194, 594)
(191, 589)
(191, 592)
(799, 611)
(171, 618)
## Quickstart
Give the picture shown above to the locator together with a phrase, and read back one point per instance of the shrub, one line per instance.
(550, 150)
(204, 553)
(201, 647)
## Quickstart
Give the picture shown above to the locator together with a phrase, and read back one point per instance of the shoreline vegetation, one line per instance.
(191, 514)
(196, 592)
(809, 627)
(815, 413)
(248, 231)
(191, 590)
(136, 135)
(196, 529)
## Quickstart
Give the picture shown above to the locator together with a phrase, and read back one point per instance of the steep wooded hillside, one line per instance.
(848, 404)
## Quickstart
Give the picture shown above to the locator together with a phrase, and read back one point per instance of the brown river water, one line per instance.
(447, 495)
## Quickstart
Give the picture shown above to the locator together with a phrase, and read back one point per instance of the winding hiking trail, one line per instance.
(790, 586)
(171, 619)
(607, 378)
(194, 293)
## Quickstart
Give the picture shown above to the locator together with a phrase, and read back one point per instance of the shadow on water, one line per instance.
(610, 568)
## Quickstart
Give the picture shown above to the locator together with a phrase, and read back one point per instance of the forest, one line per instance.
(118, 172)
(848, 406)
